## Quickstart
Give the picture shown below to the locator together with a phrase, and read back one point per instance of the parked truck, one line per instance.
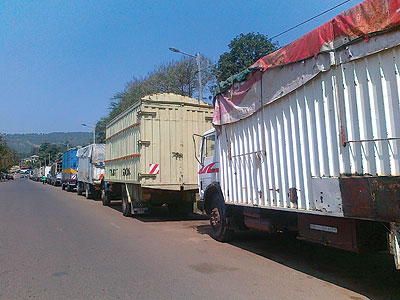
(36, 174)
(308, 138)
(90, 170)
(56, 173)
(69, 170)
(150, 156)
(46, 173)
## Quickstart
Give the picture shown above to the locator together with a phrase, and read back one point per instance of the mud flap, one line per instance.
(394, 240)
(137, 207)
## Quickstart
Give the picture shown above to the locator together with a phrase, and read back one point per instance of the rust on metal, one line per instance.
(372, 198)
(293, 195)
(254, 220)
(343, 136)
(123, 157)
(123, 130)
(374, 140)
(385, 193)
(329, 231)
(356, 197)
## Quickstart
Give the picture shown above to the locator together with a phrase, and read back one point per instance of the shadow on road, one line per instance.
(160, 214)
(370, 274)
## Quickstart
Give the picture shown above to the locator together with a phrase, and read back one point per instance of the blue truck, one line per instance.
(69, 170)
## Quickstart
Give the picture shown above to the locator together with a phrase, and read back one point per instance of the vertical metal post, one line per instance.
(199, 73)
(94, 135)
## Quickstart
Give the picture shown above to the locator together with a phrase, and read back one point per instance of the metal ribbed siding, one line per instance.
(166, 123)
(123, 144)
(292, 142)
(170, 132)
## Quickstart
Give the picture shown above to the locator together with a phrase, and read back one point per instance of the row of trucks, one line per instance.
(307, 140)
(148, 159)
(38, 173)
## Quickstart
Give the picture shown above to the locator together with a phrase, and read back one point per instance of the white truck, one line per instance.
(90, 170)
(309, 139)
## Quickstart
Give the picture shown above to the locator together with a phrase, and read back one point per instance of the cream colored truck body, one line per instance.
(150, 153)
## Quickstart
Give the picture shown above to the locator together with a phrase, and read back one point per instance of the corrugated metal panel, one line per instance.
(295, 141)
(157, 131)
(121, 146)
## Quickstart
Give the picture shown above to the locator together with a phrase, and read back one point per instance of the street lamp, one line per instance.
(197, 57)
(94, 128)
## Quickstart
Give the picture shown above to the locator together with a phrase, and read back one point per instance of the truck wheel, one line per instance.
(69, 188)
(105, 198)
(218, 220)
(126, 207)
(79, 188)
(87, 192)
(63, 187)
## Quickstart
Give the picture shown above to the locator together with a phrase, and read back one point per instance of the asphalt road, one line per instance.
(58, 245)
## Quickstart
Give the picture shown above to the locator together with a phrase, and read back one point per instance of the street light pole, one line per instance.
(94, 131)
(199, 73)
(197, 57)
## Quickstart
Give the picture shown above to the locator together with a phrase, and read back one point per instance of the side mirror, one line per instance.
(195, 148)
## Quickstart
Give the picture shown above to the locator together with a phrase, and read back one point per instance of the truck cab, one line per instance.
(208, 166)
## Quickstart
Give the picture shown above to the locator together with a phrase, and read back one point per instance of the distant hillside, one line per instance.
(23, 143)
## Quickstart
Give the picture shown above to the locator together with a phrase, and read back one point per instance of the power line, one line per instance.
(312, 18)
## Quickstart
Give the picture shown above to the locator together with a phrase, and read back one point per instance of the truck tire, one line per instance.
(105, 198)
(126, 206)
(63, 187)
(88, 194)
(218, 220)
(69, 188)
(79, 188)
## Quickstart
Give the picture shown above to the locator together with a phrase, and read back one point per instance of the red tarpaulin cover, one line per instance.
(367, 17)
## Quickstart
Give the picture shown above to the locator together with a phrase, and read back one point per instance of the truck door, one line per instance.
(208, 168)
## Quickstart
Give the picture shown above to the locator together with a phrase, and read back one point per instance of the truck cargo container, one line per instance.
(90, 170)
(69, 170)
(46, 170)
(36, 174)
(310, 140)
(150, 155)
(56, 173)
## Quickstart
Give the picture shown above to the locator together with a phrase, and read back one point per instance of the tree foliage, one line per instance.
(179, 77)
(244, 50)
(7, 156)
(47, 152)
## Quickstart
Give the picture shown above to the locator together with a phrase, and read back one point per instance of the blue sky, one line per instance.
(61, 61)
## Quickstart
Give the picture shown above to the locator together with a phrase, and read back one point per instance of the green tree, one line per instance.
(49, 153)
(7, 156)
(179, 77)
(244, 50)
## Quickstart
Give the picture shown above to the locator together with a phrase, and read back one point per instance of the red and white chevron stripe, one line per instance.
(154, 168)
(73, 176)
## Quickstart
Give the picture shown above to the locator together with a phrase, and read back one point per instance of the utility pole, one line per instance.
(197, 57)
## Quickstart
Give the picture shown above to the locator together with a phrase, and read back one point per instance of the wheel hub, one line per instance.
(215, 218)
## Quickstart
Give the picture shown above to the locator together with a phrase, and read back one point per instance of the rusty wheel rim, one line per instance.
(215, 218)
